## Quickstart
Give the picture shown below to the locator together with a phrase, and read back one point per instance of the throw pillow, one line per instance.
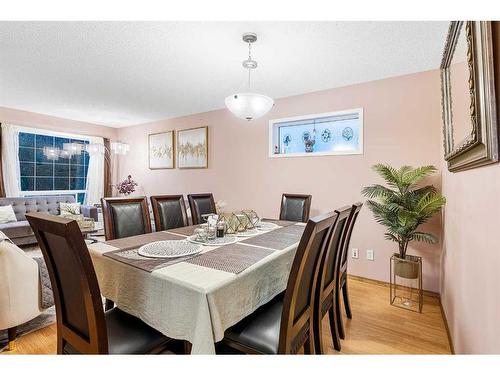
(67, 209)
(7, 214)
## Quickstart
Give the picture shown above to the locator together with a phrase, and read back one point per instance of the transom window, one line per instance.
(42, 176)
(334, 133)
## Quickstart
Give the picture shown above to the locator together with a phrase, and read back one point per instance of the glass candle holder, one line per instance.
(200, 234)
(252, 219)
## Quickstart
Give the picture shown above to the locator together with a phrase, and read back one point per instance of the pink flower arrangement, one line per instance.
(127, 186)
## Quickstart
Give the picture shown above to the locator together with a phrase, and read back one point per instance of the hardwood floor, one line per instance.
(376, 327)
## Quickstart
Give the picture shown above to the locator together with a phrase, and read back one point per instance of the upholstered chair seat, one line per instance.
(127, 335)
(261, 330)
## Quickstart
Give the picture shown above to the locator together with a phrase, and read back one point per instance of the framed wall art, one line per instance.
(161, 150)
(192, 148)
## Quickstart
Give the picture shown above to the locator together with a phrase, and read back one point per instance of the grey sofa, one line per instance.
(20, 231)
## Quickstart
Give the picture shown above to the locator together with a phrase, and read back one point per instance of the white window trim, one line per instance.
(273, 129)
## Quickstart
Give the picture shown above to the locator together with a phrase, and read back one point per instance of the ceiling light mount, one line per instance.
(249, 38)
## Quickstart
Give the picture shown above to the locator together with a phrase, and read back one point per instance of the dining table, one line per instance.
(196, 298)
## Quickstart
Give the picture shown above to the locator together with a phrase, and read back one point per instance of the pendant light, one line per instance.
(249, 105)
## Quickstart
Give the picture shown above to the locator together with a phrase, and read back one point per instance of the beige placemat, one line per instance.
(278, 239)
(233, 258)
(143, 239)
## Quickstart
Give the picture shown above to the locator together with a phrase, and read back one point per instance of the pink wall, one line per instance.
(37, 120)
(471, 257)
(401, 126)
(471, 250)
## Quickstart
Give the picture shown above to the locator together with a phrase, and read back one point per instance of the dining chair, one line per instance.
(285, 325)
(295, 207)
(82, 325)
(201, 204)
(325, 301)
(169, 211)
(341, 284)
(125, 217)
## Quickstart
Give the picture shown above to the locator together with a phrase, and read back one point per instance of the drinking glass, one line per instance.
(200, 234)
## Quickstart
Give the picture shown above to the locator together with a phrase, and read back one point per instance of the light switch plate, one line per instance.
(370, 255)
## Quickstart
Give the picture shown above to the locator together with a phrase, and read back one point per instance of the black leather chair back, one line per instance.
(356, 207)
(125, 217)
(79, 311)
(295, 207)
(296, 323)
(169, 211)
(201, 204)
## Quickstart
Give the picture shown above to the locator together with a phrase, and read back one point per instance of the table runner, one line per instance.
(281, 223)
(233, 258)
(293, 229)
(278, 239)
(184, 231)
(143, 239)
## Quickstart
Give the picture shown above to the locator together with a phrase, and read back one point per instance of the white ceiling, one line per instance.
(125, 73)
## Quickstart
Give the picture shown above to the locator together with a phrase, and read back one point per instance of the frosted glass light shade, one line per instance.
(51, 153)
(94, 149)
(119, 148)
(249, 106)
(73, 148)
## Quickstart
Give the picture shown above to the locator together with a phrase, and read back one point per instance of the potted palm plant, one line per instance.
(402, 207)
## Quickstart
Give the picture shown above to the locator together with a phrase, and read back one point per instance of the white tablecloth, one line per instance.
(189, 302)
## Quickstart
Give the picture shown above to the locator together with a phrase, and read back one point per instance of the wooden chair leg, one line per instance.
(338, 314)
(12, 333)
(318, 337)
(108, 304)
(308, 346)
(347, 305)
(333, 329)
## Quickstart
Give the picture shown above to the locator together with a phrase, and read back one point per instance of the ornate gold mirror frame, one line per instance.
(480, 147)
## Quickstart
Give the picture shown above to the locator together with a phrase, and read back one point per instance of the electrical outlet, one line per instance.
(370, 255)
(355, 254)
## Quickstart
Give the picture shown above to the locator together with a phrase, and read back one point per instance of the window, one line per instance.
(41, 176)
(336, 133)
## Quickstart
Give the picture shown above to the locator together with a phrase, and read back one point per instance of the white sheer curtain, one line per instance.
(10, 160)
(95, 175)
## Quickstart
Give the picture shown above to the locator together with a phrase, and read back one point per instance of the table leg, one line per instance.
(12, 333)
